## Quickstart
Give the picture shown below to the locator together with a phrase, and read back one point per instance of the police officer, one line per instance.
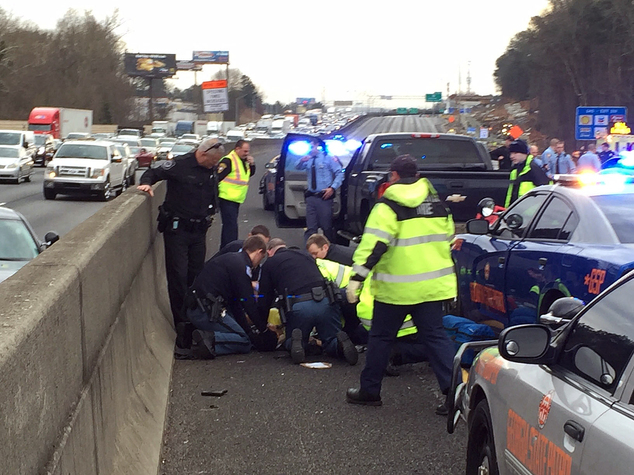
(525, 175)
(408, 222)
(234, 172)
(324, 177)
(225, 282)
(294, 275)
(184, 217)
(320, 247)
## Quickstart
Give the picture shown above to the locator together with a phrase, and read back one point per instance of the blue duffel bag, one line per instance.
(462, 330)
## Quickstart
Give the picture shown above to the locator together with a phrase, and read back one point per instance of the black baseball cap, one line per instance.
(405, 166)
(518, 146)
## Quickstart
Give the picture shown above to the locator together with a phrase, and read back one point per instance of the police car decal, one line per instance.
(544, 409)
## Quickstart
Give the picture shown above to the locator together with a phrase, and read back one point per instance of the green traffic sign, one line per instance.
(435, 97)
(401, 110)
(412, 110)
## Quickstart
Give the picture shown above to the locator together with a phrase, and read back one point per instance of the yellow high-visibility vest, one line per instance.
(235, 185)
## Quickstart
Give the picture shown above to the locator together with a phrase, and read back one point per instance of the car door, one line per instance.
(489, 270)
(291, 183)
(117, 167)
(535, 274)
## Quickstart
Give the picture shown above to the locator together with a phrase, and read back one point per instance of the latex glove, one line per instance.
(352, 291)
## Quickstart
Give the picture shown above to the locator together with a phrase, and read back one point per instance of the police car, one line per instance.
(555, 241)
(553, 399)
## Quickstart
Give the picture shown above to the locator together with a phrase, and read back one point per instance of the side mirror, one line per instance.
(514, 221)
(116, 159)
(478, 226)
(50, 238)
(526, 344)
(486, 206)
(270, 165)
(562, 311)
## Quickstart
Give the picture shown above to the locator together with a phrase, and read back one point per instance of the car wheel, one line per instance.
(28, 177)
(481, 458)
(49, 194)
(106, 193)
(132, 179)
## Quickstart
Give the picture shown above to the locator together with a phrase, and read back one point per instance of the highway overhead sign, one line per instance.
(215, 97)
(435, 97)
(592, 122)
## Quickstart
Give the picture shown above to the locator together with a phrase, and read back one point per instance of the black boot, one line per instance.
(359, 396)
(298, 355)
(204, 347)
(346, 348)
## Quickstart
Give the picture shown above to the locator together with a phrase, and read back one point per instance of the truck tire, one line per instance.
(106, 193)
(49, 194)
(481, 456)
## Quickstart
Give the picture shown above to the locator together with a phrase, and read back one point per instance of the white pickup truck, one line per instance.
(85, 168)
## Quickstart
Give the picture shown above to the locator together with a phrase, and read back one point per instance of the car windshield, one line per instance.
(40, 139)
(189, 136)
(72, 136)
(40, 127)
(181, 148)
(617, 208)
(10, 138)
(96, 152)
(16, 242)
(9, 152)
(148, 142)
(122, 150)
(427, 152)
(166, 141)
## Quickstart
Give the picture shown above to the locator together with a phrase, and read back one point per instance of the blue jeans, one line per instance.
(321, 315)
(386, 321)
(319, 215)
(230, 337)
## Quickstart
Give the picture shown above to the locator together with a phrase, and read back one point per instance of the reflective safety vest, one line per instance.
(234, 186)
(408, 236)
(525, 183)
(334, 272)
(365, 309)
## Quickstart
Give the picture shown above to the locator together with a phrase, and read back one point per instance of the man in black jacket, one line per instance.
(235, 324)
(320, 247)
(295, 275)
(185, 215)
(502, 154)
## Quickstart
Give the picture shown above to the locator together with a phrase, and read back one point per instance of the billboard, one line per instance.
(211, 57)
(150, 65)
(188, 66)
(215, 97)
(592, 122)
(305, 101)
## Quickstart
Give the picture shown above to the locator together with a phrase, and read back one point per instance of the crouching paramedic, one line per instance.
(306, 301)
(222, 307)
(406, 242)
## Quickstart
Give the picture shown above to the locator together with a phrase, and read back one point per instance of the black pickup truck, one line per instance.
(457, 166)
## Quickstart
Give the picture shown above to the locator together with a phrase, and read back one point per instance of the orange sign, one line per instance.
(219, 84)
(516, 132)
(451, 119)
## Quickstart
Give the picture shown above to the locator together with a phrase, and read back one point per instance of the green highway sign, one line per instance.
(412, 110)
(401, 110)
(435, 97)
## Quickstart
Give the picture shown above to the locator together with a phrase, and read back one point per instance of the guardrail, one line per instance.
(86, 347)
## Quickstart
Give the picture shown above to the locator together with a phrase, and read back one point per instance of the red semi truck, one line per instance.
(59, 121)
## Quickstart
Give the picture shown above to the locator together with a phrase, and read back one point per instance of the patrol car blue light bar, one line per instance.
(386, 145)
(353, 145)
(627, 159)
(335, 147)
(300, 147)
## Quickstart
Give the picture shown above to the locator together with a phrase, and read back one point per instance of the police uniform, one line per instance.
(233, 177)
(295, 275)
(185, 216)
(228, 277)
(408, 222)
(322, 172)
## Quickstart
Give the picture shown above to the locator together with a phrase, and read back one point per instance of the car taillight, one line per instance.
(425, 136)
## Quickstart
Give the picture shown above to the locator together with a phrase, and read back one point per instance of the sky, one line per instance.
(329, 50)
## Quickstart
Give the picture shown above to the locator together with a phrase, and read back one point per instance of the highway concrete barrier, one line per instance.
(86, 349)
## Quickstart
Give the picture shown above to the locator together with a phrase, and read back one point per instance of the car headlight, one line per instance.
(170, 156)
(50, 172)
(97, 172)
(13, 165)
(40, 150)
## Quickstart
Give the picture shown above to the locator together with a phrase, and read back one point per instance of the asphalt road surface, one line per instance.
(279, 418)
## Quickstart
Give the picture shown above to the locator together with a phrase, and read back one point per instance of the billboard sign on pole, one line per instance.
(188, 66)
(211, 57)
(215, 97)
(592, 122)
(150, 65)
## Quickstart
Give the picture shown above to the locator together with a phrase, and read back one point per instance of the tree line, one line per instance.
(576, 53)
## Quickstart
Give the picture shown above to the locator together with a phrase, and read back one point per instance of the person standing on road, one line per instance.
(234, 172)
(501, 154)
(589, 161)
(560, 163)
(606, 154)
(549, 153)
(324, 177)
(525, 175)
(184, 217)
(533, 151)
(408, 222)
(294, 275)
(222, 307)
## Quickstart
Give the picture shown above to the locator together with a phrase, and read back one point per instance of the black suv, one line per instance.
(45, 149)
